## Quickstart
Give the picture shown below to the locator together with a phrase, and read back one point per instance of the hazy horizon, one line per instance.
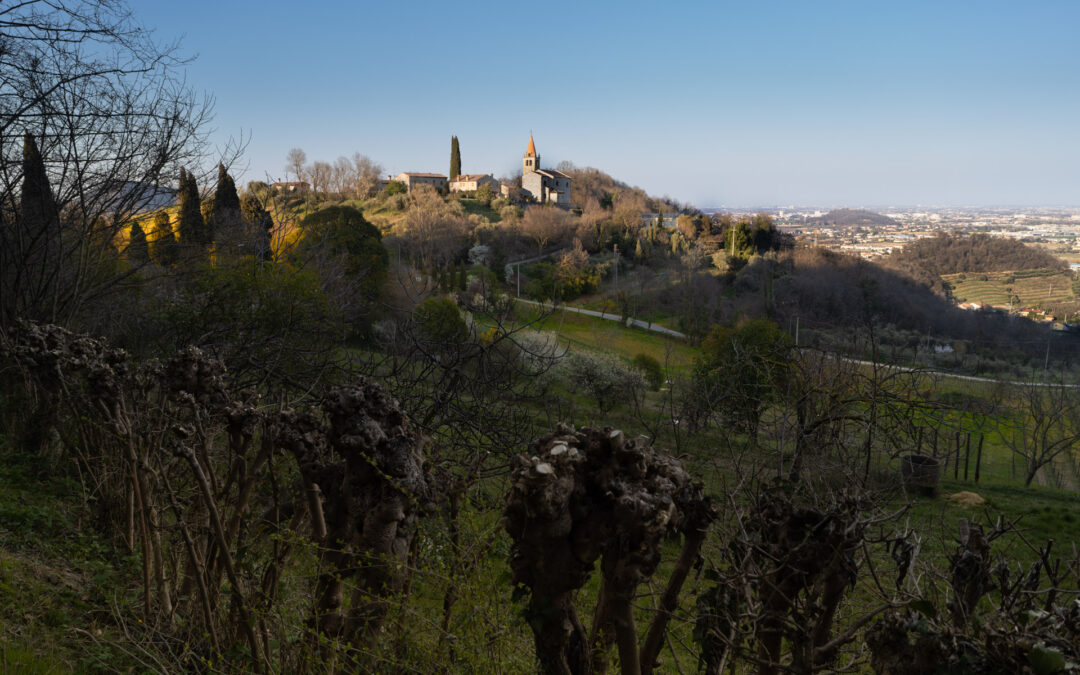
(710, 103)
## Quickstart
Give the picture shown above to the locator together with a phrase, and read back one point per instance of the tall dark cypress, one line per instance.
(455, 158)
(40, 217)
(191, 226)
(164, 250)
(138, 250)
(225, 211)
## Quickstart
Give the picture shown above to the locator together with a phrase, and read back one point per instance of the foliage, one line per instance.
(342, 233)
(440, 321)
(606, 380)
(395, 187)
(269, 323)
(741, 369)
(455, 158)
(225, 212)
(138, 250)
(164, 248)
(949, 253)
(653, 371)
(190, 226)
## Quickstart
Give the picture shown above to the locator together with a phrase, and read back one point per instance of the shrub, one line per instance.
(650, 367)
(606, 380)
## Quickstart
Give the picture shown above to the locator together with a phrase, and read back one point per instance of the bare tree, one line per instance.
(546, 225)
(366, 172)
(321, 175)
(1040, 424)
(296, 163)
(113, 118)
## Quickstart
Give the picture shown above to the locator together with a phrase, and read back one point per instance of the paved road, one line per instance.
(674, 333)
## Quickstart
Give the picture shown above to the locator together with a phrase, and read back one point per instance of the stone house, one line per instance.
(411, 180)
(471, 182)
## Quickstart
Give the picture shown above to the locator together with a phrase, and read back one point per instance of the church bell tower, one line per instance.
(531, 161)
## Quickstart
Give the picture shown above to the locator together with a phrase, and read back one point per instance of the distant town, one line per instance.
(1055, 228)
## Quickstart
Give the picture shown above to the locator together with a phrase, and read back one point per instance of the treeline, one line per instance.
(847, 217)
(950, 253)
(590, 184)
(840, 297)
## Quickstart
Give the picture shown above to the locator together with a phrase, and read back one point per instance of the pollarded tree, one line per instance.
(580, 497)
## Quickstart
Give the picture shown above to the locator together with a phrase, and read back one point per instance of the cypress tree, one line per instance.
(260, 220)
(455, 158)
(38, 208)
(138, 250)
(191, 227)
(462, 278)
(225, 211)
(164, 250)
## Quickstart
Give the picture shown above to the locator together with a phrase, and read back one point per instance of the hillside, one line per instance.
(1029, 287)
(851, 217)
(948, 253)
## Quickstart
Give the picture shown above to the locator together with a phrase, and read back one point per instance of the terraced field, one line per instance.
(1032, 287)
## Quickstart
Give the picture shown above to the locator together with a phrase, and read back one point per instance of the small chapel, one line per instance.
(546, 186)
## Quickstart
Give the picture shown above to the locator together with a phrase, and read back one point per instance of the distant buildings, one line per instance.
(291, 186)
(411, 180)
(546, 186)
(471, 182)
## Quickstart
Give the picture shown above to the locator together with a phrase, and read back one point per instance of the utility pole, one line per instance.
(796, 331)
(616, 268)
(1046, 363)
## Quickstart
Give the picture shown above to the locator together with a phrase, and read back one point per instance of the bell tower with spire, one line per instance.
(531, 161)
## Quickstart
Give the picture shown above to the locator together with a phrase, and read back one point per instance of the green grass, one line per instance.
(610, 337)
(57, 580)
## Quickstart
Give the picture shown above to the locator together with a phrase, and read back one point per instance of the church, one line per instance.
(546, 186)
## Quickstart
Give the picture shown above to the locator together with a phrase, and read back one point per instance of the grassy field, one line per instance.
(608, 336)
(1032, 287)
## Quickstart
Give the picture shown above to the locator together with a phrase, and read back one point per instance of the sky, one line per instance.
(719, 104)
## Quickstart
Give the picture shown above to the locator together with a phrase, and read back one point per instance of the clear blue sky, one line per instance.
(716, 103)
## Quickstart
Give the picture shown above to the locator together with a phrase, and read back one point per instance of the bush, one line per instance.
(606, 380)
(439, 321)
(650, 367)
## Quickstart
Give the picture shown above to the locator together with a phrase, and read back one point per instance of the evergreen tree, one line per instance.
(462, 277)
(261, 223)
(32, 263)
(38, 207)
(455, 158)
(138, 250)
(191, 227)
(225, 210)
(164, 249)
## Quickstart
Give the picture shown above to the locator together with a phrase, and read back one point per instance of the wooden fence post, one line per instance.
(978, 459)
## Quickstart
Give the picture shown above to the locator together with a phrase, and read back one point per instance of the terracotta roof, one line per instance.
(469, 177)
(531, 152)
(424, 175)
